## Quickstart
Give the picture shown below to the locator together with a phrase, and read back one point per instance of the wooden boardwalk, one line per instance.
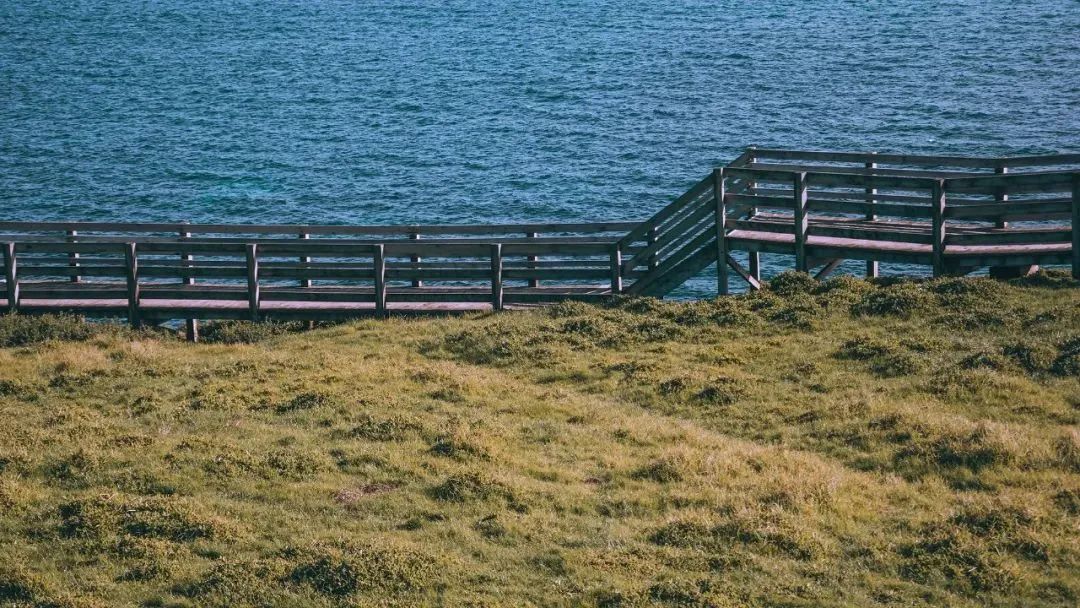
(952, 214)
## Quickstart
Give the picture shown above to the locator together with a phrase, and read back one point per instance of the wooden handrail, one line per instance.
(325, 229)
(916, 159)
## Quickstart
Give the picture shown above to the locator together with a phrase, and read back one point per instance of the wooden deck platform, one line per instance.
(953, 214)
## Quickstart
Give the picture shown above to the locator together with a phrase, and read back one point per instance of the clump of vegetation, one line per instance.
(246, 332)
(339, 572)
(304, 401)
(392, 428)
(660, 471)
(789, 283)
(886, 358)
(464, 487)
(903, 299)
(1067, 362)
(24, 330)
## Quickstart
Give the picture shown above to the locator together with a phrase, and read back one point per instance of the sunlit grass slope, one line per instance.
(845, 443)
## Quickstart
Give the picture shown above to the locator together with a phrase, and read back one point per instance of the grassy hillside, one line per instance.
(845, 443)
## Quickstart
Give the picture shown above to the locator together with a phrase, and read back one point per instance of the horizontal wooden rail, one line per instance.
(322, 229)
(916, 160)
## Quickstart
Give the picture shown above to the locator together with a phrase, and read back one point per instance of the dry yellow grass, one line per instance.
(844, 444)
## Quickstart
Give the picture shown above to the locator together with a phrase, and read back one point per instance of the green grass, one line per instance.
(845, 443)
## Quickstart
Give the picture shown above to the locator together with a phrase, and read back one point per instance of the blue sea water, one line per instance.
(335, 111)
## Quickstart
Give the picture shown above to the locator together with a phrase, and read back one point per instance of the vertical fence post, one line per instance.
(186, 259)
(1075, 226)
(721, 233)
(379, 258)
(416, 260)
(654, 237)
(753, 257)
(131, 260)
(496, 277)
(802, 223)
(531, 261)
(305, 260)
(871, 215)
(251, 252)
(11, 276)
(73, 257)
(616, 269)
(937, 202)
(1001, 195)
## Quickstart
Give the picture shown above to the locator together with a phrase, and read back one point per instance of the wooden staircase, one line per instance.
(953, 214)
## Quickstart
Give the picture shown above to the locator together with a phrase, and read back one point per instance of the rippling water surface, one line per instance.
(466, 111)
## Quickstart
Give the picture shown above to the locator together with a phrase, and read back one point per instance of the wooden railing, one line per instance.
(954, 214)
(679, 241)
(158, 271)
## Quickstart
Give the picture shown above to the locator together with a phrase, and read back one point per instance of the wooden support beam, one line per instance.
(251, 253)
(532, 259)
(415, 236)
(871, 214)
(496, 277)
(802, 221)
(11, 276)
(192, 330)
(754, 259)
(380, 280)
(829, 268)
(304, 236)
(1076, 225)
(754, 282)
(937, 230)
(131, 266)
(73, 258)
(722, 287)
(616, 270)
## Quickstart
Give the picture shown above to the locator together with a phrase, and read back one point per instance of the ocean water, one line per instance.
(466, 111)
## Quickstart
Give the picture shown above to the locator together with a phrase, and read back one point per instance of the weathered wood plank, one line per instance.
(616, 270)
(252, 255)
(720, 220)
(748, 276)
(132, 265)
(937, 202)
(11, 277)
(641, 230)
(802, 223)
(915, 159)
(1076, 226)
(496, 277)
(323, 229)
(380, 280)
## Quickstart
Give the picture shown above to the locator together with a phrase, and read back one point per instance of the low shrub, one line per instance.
(246, 332)
(1067, 362)
(394, 428)
(660, 471)
(304, 401)
(722, 391)
(342, 572)
(24, 330)
(902, 299)
(790, 282)
(464, 487)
